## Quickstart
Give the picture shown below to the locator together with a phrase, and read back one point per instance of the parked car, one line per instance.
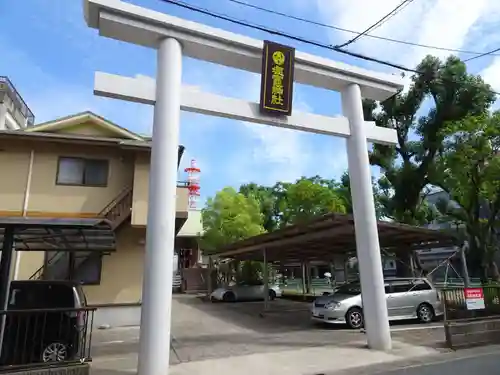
(406, 299)
(245, 291)
(42, 323)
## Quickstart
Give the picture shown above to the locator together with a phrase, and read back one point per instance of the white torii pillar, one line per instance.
(155, 333)
(365, 222)
(167, 34)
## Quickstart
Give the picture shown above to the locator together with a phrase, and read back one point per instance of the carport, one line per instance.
(48, 234)
(328, 236)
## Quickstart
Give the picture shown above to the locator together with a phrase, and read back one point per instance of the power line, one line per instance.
(265, 29)
(379, 23)
(333, 27)
(289, 36)
(482, 55)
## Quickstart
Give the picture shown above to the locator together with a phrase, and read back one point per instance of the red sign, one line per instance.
(474, 298)
(474, 293)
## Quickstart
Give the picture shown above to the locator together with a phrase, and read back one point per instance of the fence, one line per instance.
(316, 288)
(46, 337)
(450, 282)
(455, 303)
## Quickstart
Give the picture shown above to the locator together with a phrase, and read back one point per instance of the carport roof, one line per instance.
(59, 234)
(330, 235)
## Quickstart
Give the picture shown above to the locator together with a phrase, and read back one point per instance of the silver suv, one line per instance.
(406, 299)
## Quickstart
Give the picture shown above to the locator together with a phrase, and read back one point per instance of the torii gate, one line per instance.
(174, 37)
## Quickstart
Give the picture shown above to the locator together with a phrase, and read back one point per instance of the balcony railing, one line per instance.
(46, 337)
(7, 86)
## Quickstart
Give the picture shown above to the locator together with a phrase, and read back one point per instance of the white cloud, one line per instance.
(491, 74)
(442, 23)
(460, 25)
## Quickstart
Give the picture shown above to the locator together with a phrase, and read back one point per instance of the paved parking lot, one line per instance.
(203, 330)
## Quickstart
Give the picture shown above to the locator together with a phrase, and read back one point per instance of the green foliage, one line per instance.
(266, 199)
(307, 199)
(291, 203)
(229, 217)
(454, 95)
(344, 190)
(249, 271)
(468, 169)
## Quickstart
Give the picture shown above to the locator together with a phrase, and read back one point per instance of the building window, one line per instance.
(82, 172)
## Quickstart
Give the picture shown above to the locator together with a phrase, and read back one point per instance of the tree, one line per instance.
(307, 199)
(453, 94)
(344, 189)
(229, 217)
(468, 169)
(266, 199)
(290, 203)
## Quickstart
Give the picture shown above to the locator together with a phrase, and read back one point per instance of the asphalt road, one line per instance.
(485, 360)
(488, 364)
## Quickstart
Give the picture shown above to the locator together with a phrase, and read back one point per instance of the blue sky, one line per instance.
(51, 55)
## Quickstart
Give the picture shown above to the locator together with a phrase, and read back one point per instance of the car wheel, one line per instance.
(425, 313)
(354, 318)
(272, 295)
(55, 352)
(229, 297)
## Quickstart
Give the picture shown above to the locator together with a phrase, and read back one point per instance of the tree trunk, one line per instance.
(494, 272)
(475, 259)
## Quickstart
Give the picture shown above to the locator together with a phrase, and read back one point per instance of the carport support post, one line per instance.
(154, 344)
(365, 221)
(346, 269)
(304, 279)
(5, 266)
(465, 269)
(266, 282)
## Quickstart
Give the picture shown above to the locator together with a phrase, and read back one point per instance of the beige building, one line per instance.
(14, 113)
(84, 166)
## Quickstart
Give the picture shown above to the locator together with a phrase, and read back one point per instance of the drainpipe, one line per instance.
(24, 212)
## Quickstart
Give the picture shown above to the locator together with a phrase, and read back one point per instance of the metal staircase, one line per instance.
(119, 209)
(56, 266)
(38, 275)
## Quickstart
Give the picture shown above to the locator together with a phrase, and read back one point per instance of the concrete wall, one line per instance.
(11, 117)
(140, 196)
(3, 114)
(29, 263)
(121, 275)
(14, 162)
(193, 226)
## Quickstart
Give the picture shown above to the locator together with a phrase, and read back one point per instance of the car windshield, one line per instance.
(351, 289)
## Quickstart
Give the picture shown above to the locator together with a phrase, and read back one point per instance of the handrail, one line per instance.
(39, 271)
(115, 201)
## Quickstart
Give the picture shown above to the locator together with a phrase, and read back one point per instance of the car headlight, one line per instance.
(332, 305)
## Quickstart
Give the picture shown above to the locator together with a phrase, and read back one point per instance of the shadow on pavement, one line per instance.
(282, 316)
(215, 330)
